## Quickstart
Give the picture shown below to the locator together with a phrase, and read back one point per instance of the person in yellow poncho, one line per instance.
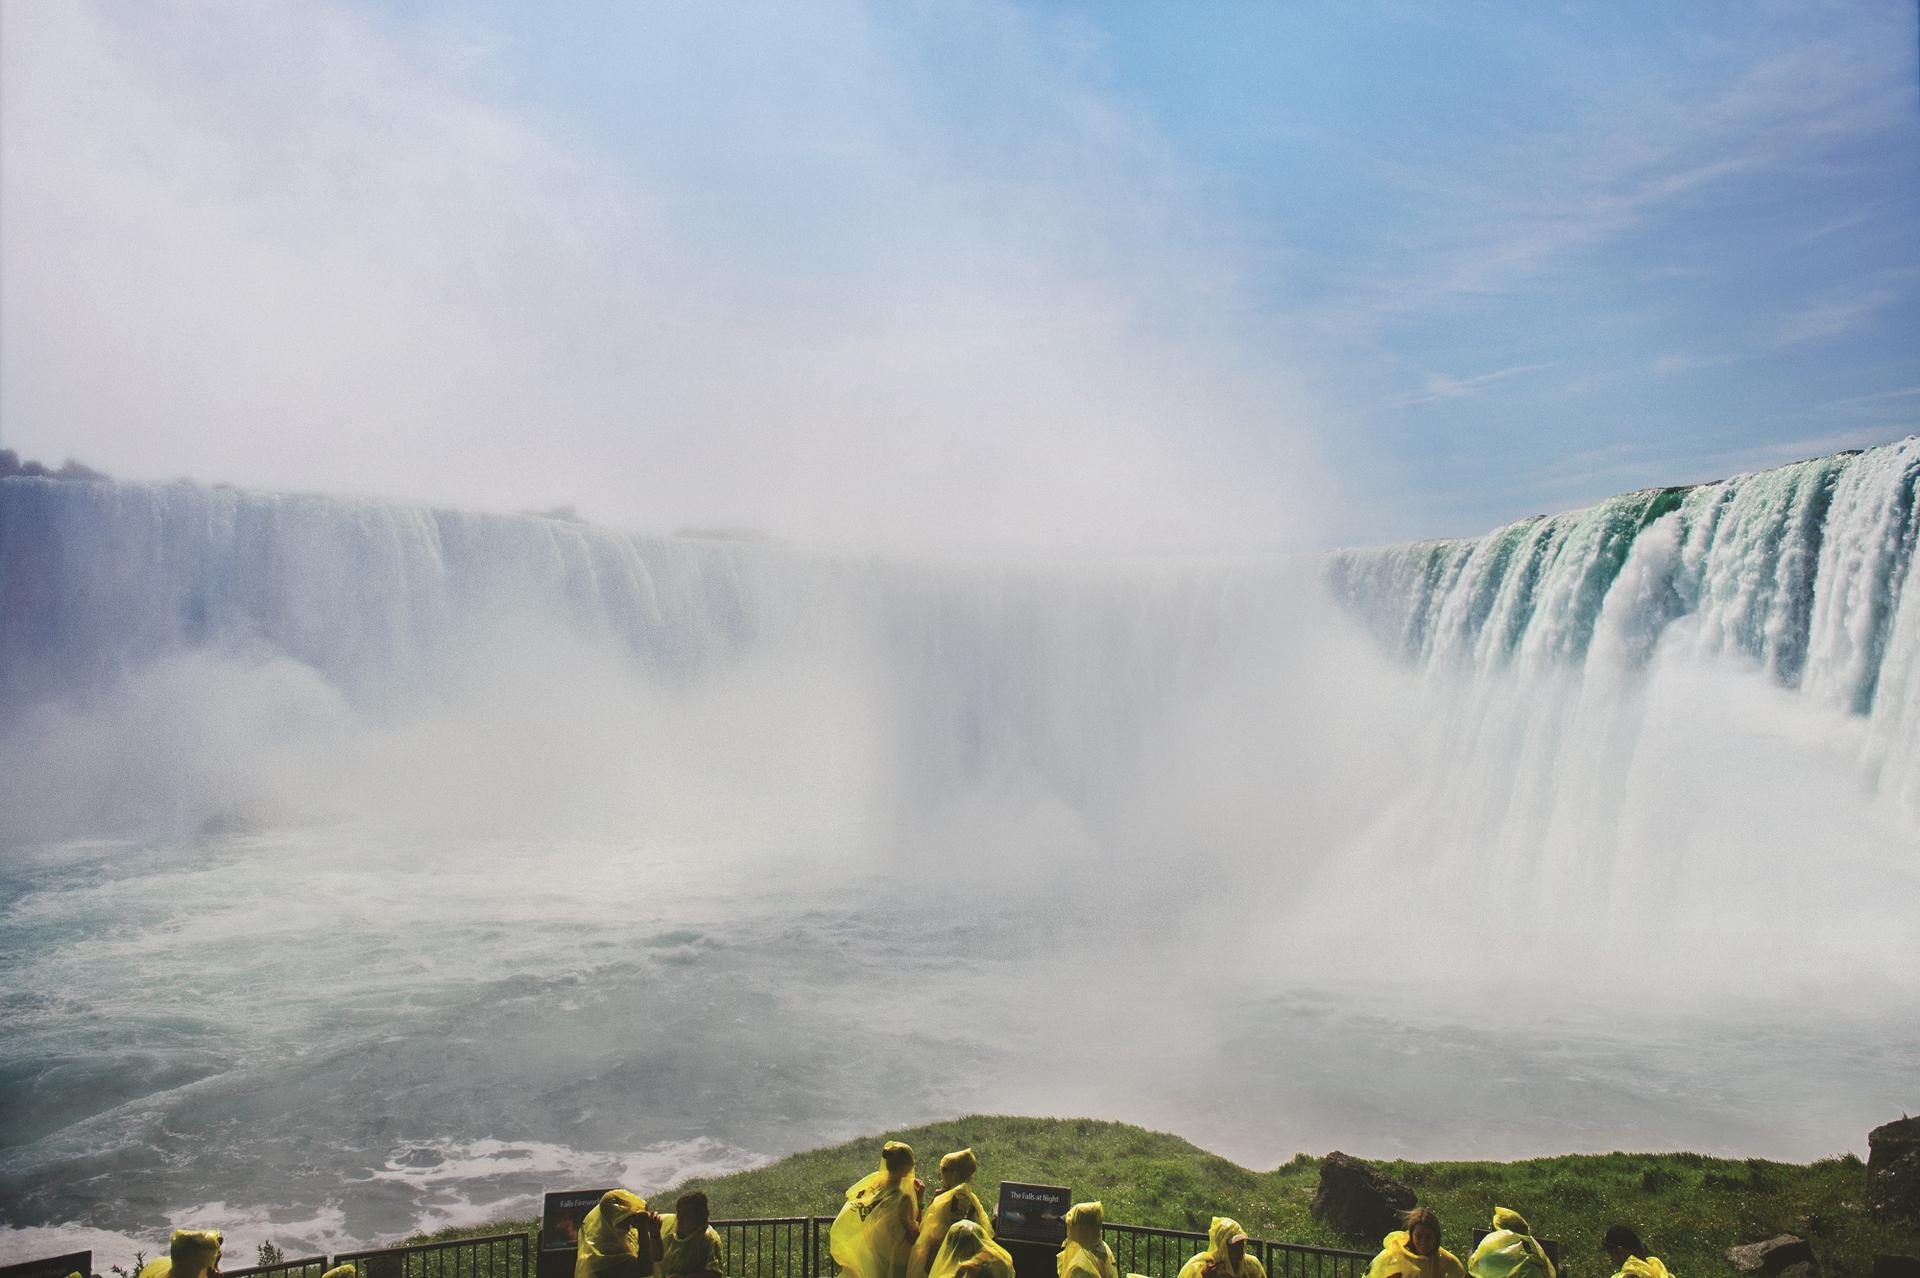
(1510, 1251)
(956, 1201)
(619, 1238)
(192, 1253)
(1629, 1255)
(1226, 1254)
(690, 1247)
(1085, 1253)
(1415, 1252)
(874, 1233)
(341, 1271)
(969, 1251)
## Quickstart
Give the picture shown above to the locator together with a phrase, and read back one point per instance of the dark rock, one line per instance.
(1893, 1171)
(1774, 1256)
(1896, 1267)
(1800, 1269)
(1359, 1201)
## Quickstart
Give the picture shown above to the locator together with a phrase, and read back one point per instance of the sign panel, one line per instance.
(74, 1262)
(1033, 1213)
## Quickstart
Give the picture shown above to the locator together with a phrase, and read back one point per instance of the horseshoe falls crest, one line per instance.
(367, 867)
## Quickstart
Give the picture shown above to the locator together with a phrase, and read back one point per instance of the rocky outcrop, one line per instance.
(1893, 1171)
(1785, 1255)
(1360, 1201)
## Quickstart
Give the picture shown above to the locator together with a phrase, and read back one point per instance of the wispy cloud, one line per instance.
(1905, 392)
(1443, 386)
(1831, 317)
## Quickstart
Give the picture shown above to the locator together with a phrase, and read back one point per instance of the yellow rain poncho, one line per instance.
(191, 1253)
(956, 1202)
(703, 1251)
(1084, 1252)
(874, 1233)
(1643, 1267)
(1510, 1251)
(968, 1251)
(341, 1271)
(610, 1239)
(1397, 1260)
(1215, 1261)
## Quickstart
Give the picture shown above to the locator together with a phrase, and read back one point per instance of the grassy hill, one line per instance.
(1689, 1207)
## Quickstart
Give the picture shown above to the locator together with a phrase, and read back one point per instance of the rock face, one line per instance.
(1782, 1255)
(1358, 1200)
(1893, 1171)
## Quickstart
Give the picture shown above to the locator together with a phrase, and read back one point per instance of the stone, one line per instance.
(1360, 1201)
(1893, 1171)
(1896, 1267)
(1774, 1256)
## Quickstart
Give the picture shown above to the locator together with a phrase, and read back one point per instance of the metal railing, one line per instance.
(773, 1246)
(496, 1256)
(305, 1267)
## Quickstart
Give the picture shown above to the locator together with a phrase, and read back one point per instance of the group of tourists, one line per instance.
(1509, 1250)
(882, 1232)
(622, 1238)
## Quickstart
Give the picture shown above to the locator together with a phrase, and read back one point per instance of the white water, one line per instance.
(370, 867)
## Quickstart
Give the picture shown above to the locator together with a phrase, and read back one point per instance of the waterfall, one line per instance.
(1802, 573)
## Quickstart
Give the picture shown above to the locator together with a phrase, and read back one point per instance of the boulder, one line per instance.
(1896, 1267)
(1775, 1256)
(1358, 1200)
(1893, 1171)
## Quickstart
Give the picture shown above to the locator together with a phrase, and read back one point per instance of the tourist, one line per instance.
(193, 1253)
(619, 1238)
(341, 1271)
(1226, 1254)
(1084, 1252)
(956, 1201)
(1510, 1250)
(874, 1233)
(969, 1251)
(1415, 1252)
(690, 1247)
(1629, 1255)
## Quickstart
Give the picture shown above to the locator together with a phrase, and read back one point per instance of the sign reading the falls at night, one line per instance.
(1033, 1213)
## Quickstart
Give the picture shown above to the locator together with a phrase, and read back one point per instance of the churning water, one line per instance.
(369, 867)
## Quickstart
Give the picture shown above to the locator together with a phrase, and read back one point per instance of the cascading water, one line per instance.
(346, 844)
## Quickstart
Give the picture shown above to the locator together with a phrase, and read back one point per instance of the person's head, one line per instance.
(194, 1252)
(958, 1168)
(621, 1207)
(1228, 1240)
(1508, 1219)
(1084, 1222)
(690, 1213)
(1621, 1242)
(966, 1238)
(1423, 1232)
(897, 1158)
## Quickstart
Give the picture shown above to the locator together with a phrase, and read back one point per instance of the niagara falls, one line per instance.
(644, 596)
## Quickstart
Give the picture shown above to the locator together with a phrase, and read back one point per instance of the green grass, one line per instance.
(1690, 1208)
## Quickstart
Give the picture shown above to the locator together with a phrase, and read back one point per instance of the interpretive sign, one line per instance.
(74, 1262)
(1033, 1213)
(560, 1230)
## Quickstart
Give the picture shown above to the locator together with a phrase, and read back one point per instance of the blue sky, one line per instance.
(1100, 274)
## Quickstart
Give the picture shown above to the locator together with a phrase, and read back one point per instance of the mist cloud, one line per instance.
(770, 284)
